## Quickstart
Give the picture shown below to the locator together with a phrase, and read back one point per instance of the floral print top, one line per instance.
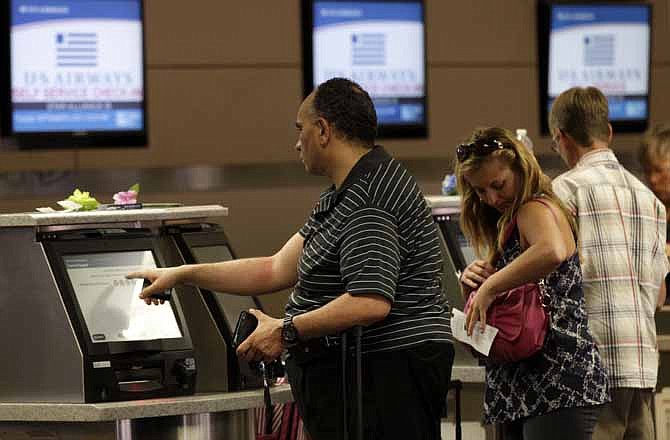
(567, 372)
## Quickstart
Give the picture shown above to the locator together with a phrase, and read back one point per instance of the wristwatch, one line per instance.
(289, 334)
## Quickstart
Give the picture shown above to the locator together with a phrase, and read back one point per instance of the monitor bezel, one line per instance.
(56, 250)
(450, 229)
(240, 374)
(64, 139)
(384, 131)
(187, 241)
(544, 8)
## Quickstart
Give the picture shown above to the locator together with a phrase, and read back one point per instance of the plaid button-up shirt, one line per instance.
(621, 243)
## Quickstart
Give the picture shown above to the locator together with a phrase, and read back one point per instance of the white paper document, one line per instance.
(480, 341)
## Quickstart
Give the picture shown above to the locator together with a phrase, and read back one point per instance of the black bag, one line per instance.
(246, 324)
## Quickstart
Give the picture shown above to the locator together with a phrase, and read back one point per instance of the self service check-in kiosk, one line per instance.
(208, 243)
(74, 329)
(456, 251)
(130, 350)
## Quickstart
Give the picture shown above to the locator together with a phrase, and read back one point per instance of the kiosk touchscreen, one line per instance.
(459, 248)
(131, 350)
(109, 302)
(459, 253)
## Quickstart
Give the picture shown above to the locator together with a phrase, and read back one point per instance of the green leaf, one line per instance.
(135, 188)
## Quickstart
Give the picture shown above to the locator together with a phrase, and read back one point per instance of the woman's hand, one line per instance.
(482, 300)
(474, 275)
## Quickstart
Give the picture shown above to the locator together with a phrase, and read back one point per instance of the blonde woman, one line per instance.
(523, 233)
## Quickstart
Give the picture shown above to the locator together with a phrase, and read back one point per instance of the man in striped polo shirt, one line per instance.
(367, 256)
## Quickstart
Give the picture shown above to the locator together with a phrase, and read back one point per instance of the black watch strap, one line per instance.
(289, 333)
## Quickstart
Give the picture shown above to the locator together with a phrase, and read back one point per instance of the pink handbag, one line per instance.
(519, 315)
(522, 322)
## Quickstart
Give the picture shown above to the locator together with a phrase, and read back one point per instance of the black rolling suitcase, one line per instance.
(357, 411)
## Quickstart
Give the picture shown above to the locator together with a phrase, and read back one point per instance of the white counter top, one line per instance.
(468, 374)
(435, 201)
(196, 404)
(135, 409)
(111, 216)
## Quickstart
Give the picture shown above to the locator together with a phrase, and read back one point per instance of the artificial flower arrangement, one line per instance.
(127, 197)
(83, 201)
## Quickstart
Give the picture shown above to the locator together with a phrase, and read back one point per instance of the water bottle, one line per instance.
(522, 136)
(449, 185)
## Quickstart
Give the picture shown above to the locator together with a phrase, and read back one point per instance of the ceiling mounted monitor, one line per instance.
(606, 45)
(73, 73)
(380, 44)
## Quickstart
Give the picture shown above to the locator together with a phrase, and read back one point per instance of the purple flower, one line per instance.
(125, 197)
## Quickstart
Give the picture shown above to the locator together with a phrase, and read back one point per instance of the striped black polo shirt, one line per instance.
(375, 234)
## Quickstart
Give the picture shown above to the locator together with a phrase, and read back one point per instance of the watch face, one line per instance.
(289, 333)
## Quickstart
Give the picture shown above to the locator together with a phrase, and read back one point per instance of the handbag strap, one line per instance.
(542, 292)
(512, 223)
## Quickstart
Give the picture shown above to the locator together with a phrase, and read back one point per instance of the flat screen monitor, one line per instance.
(110, 303)
(231, 305)
(379, 44)
(74, 73)
(606, 45)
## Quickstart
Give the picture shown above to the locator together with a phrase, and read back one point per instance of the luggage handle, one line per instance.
(358, 382)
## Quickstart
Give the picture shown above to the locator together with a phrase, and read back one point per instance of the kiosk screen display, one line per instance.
(232, 305)
(109, 302)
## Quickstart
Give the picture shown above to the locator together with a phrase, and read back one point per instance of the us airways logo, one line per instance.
(77, 49)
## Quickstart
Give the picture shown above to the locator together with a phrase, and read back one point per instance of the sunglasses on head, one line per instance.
(478, 148)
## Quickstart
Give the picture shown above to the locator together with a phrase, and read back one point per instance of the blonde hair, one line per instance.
(482, 224)
(583, 113)
(655, 145)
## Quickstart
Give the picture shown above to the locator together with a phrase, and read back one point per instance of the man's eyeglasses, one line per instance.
(478, 148)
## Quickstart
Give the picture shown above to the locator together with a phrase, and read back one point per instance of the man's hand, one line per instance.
(161, 280)
(265, 343)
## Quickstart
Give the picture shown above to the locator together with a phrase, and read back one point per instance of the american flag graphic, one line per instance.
(368, 49)
(599, 50)
(77, 49)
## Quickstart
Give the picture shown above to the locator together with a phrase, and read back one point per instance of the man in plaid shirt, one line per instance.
(622, 228)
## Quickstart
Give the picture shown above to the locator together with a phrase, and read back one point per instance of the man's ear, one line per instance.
(610, 135)
(562, 135)
(566, 138)
(325, 131)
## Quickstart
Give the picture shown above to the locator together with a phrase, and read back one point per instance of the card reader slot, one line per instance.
(139, 386)
(139, 375)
